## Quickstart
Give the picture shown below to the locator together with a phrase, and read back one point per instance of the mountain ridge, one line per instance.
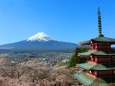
(40, 42)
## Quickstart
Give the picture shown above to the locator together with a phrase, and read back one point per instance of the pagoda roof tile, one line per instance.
(98, 39)
(88, 80)
(96, 52)
(95, 66)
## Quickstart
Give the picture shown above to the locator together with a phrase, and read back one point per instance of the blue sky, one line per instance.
(66, 20)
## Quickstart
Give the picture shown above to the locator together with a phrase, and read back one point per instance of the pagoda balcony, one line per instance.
(91, 49)
(102, 49)
(100, 76)
(91, 61)
(108, 75)
(101, 62)
(91, 74)
(101, 73)
(110, 49)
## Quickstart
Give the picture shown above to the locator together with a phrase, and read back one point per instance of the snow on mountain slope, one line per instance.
(41, 36)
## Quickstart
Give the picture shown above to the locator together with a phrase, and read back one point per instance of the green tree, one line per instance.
(75, 59)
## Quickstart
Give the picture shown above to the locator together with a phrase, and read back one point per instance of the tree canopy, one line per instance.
(75, 59)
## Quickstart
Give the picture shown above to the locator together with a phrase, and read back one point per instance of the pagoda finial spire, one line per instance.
(99, 23)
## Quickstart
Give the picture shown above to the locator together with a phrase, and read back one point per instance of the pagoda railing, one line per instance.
(113, 61)
(110, 49)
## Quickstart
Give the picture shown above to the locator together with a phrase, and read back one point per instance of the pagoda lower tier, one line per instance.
(98, 70)
(99, 57)
(94, 74)
(90, 80)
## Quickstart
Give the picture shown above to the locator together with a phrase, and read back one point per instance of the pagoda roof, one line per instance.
(98, 39)
(96, 52)
(88, 80)
(95, 66)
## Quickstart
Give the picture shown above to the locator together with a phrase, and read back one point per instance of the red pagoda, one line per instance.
(100, 69)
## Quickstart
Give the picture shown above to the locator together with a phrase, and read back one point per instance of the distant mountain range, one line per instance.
(40, 42)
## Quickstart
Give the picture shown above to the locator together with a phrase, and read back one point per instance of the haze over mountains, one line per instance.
(40, 42)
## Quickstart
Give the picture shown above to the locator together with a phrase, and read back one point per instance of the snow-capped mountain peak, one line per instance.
(41, 36)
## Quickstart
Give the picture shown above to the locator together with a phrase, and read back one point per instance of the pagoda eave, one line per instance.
(98, 40)
(89, 80)
(97, 52)
(95, 66)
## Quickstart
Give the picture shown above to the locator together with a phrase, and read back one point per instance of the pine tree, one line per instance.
(75, 59)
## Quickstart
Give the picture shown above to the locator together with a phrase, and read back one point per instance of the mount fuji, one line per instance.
(40, 42)
(41, 36)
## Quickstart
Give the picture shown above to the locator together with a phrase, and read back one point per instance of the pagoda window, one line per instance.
(104, 44)
(92, 58)
(95, 47)
(95, 72)
(104, 59)
(96, 59)
(103, 56)
(103, 47)
(105, 73)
